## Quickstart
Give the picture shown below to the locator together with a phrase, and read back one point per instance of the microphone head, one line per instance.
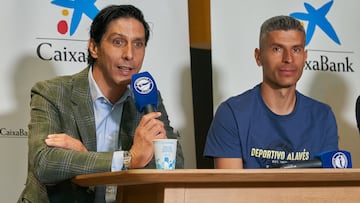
(316, 163)
(335, 159)
(145, 91)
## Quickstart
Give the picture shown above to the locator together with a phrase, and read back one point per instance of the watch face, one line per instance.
(127, 159)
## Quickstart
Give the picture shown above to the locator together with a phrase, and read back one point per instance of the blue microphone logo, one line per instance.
(339, 160)
(145, 92)
(143, 85)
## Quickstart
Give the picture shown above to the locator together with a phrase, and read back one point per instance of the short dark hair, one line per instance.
(281, 22)
(110, 13)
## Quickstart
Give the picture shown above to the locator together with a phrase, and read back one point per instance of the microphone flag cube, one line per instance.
(335, 159)
(144, 90)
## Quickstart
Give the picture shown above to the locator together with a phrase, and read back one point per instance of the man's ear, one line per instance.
(257, 56)
(93, 49)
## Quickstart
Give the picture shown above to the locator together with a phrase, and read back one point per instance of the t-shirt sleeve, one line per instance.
(223, 136)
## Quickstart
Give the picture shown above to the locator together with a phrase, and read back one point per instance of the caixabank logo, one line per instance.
(327, 60)
(64, 47)
(79, 8)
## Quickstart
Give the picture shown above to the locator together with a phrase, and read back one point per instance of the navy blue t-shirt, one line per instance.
(244, 127)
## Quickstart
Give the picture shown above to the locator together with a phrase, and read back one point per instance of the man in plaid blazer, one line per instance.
(64, 130)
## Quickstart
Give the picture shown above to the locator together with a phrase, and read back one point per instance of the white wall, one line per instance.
(26, 24)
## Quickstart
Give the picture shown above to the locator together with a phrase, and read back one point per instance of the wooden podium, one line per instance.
(229, 185)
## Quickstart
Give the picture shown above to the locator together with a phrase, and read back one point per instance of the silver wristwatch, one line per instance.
(127, 160)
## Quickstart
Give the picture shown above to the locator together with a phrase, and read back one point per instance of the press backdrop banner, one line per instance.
(332, 71)
(43, 39)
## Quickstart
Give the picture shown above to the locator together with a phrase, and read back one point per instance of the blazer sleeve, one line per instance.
(51, 113)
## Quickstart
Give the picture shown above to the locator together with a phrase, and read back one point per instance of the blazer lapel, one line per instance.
(129, 121)
(83, 110)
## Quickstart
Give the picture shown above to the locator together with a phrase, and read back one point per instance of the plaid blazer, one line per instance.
(64, 105)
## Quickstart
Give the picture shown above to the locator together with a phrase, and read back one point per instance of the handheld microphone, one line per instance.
(329, 159)
(145, 92)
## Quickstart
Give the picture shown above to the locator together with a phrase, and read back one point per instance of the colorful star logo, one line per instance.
(79, 7)
(317, 17)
